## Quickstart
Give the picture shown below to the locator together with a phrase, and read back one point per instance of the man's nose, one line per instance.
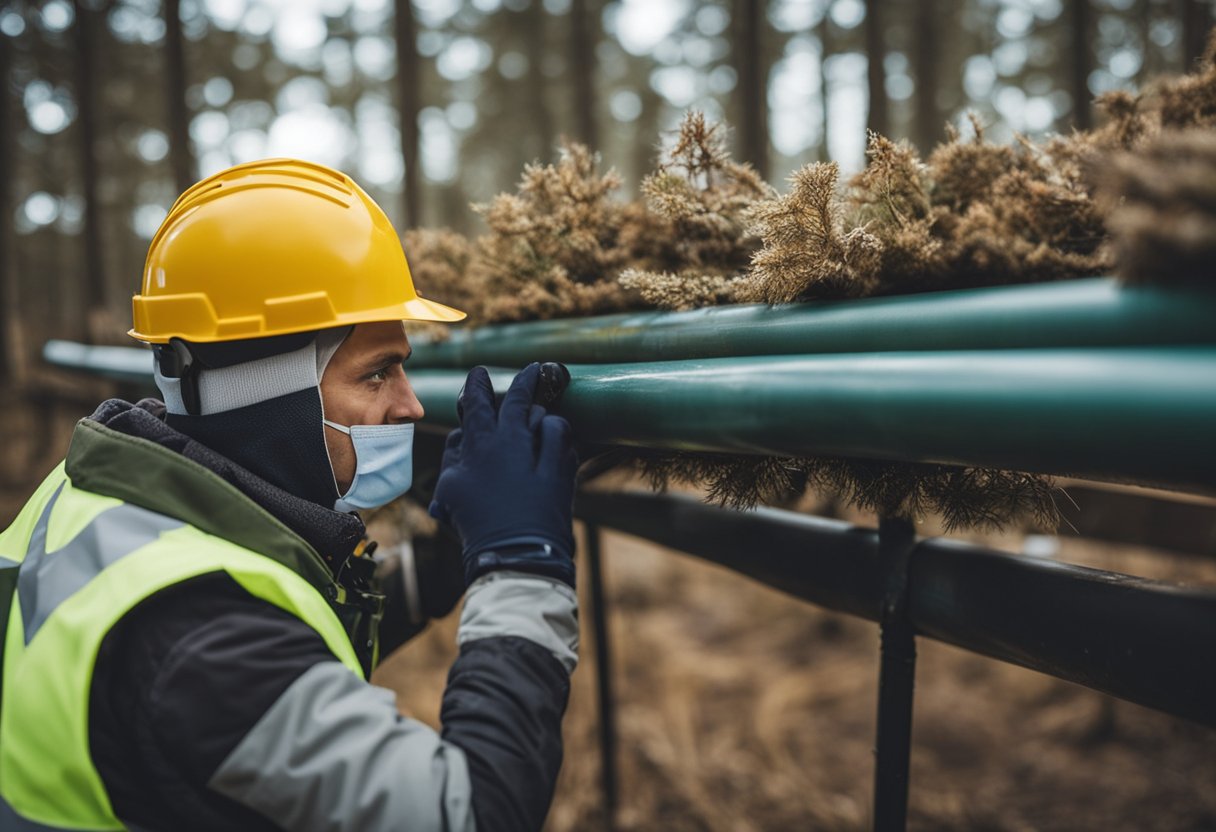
(406, 407)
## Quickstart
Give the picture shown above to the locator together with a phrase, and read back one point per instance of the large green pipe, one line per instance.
(1144, 416)
(1082, 313)
(1124, 415)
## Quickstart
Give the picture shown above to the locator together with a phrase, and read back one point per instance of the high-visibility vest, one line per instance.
(73, 563)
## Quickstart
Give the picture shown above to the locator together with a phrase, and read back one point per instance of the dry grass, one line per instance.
(741, 709)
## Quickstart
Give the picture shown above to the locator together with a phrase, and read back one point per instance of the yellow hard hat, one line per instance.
(271, 248)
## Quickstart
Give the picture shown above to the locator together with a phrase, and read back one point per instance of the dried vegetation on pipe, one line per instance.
(1136, 196)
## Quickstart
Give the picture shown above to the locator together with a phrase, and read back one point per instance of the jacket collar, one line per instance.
(127, 451)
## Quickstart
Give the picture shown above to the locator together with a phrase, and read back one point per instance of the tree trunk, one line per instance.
(181, 159)
(11, 352)
(926, 120)
(876, 75)
(1079, 20)
(1150, 64)
(453, 207)
(752, 116)
(825, 41)
(1196, 24)
(584, 29)
(540, 118)
(94, 273)
(408, 107)
(645, 133)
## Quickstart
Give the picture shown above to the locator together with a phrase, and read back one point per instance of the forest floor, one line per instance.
(741, 709)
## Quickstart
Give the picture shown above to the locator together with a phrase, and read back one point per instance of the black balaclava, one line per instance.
(259, 405)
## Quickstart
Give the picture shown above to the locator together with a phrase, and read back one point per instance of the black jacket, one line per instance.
(190, 685)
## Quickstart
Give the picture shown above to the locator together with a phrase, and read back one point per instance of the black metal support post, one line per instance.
(897, 676)
(603, 676)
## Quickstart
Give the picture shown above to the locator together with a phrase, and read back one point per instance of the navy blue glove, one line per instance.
(507, 482)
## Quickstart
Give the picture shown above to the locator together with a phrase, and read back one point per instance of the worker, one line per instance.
(187, 606)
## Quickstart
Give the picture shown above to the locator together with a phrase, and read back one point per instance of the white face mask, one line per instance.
(384, 464)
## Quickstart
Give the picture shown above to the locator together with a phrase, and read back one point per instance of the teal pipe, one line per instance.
(1124, 415)
(1082, 313)
(1145, 416)
(132, 365)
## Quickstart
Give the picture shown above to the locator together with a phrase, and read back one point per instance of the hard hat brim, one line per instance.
(421, 309)
(413, 309)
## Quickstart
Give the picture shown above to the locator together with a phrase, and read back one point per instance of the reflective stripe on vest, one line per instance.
(87, 560)
(44, 582)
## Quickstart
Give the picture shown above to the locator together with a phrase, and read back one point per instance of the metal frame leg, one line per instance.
(605, 703)
(897, 675)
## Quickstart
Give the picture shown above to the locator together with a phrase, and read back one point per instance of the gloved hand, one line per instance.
(507, 483)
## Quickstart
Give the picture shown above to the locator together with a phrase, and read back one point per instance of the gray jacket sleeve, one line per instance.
(332, 753)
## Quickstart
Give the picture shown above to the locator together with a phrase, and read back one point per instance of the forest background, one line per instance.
(740, 709)
(110, 108)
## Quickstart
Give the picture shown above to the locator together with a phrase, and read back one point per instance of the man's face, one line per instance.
(364, 384)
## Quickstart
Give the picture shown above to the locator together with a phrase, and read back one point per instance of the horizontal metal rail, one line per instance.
(1081, 313)
(1123, 415)
(1144, 641)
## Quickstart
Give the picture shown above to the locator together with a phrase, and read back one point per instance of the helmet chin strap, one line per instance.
(328, 341)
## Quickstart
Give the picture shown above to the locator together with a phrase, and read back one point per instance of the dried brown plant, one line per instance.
(688, 290)
(1032, 229)
(705, 194)
(893, 189)
(553, 247)
(805, 251)
(964, 498)
(735, 481)
(1162, 205)
(441, 264)
(1156, 181)
(1013, 214)
(963, 173)
(696, 238)
(890, 199)
(1190, 100)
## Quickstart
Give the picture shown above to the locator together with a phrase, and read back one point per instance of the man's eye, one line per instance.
(379, 375)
